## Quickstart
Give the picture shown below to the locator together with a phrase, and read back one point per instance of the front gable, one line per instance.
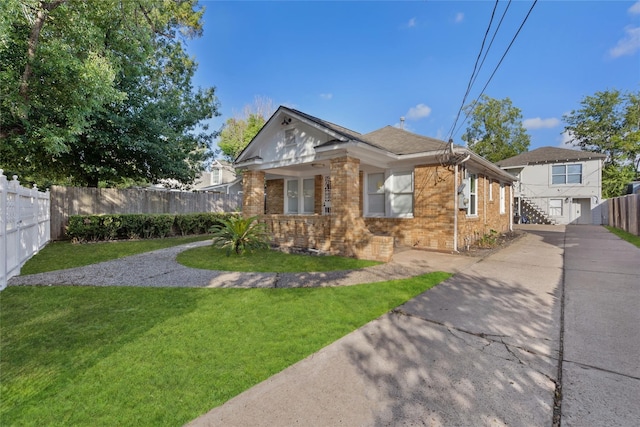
(288, 138)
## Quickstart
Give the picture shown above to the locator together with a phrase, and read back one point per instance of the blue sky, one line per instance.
(365, 64)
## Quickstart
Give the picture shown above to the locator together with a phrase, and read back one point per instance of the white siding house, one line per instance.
(557, 185)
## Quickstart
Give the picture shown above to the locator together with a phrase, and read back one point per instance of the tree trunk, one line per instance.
(34, 38)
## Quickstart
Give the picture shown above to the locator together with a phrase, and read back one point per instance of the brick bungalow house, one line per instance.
(321, 186)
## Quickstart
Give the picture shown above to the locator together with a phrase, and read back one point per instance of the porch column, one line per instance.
(253, 189)
(346, 223)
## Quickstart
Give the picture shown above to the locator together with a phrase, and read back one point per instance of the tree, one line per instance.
(609, 123)
(101, 92)
(238, 131)
(496, 131)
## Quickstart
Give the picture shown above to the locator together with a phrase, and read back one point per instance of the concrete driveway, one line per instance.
(482, 348)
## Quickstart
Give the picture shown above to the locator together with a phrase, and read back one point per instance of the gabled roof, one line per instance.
(343, 131)
(399, 141)
(548, 155)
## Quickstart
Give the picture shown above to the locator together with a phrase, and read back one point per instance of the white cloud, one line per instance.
(635, 8)
(627, 45)
(459, 17)
(412, 23)
(326, 96)
(538, 123)
(565, 140)
(418, 112)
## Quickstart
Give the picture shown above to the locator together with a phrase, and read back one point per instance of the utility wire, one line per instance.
(476, 69)
(494, 71)
(495, 33)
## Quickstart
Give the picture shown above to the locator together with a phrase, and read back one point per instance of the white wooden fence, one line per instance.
(24, 225)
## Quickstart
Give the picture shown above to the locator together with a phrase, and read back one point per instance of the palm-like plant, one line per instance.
(238, 234)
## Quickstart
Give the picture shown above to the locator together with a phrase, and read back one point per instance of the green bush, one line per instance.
(93, 228)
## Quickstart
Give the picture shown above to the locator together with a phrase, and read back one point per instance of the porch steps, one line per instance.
(533, 212)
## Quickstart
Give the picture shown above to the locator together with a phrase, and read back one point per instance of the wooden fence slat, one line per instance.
(66, 201)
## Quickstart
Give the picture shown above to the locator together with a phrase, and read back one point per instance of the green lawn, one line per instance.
(149, 356)
(265, 261)
(631, 238)
(61, 255)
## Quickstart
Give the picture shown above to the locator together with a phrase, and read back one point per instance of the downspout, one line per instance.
(455, 202)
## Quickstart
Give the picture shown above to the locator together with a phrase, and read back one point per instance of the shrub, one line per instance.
(92, 228)
(238, 235)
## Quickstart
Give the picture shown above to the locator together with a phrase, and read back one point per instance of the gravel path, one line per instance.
(160, 269)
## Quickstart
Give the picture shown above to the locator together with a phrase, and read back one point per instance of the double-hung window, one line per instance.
(402, 194)
(389, 195)
(503, 204)
(566, 174)
(555, 207)
(300, 196)
(376, 199)
(472, 207)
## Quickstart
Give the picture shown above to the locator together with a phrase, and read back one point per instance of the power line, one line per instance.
(453, 133)
(476, 70)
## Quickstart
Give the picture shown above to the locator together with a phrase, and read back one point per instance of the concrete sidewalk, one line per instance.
(601, 366)
(481, 348)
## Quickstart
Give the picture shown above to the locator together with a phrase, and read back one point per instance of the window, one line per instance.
(503, 205)
(289, 137)
(566, 174)
(555, 207)
(215, 176)
(292, 196)
(389, 196)
(300, 202)
(491, 190)
(472, 208)
(375, 194)
(402, 194)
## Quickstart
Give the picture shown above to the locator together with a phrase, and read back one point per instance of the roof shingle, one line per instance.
(548, 155)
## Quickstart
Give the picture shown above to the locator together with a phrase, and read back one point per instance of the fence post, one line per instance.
(3, 230)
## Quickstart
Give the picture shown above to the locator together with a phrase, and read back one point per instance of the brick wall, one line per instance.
(253, 189)
(275, 197)
(470, 229)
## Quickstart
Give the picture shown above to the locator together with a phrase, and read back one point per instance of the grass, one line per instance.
(61, 255)
(149, 356)
(264, 261)
(631, 238)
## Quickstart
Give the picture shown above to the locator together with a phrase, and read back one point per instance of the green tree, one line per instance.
(237, 132)
(609, 123)
(101, 91)
(238, 235)
(496, 131)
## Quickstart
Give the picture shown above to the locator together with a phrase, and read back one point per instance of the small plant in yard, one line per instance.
(238, 234)
(489, 240)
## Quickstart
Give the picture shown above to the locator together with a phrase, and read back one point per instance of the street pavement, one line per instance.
(484, 348)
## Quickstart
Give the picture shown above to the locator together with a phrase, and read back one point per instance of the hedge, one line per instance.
(93, 228)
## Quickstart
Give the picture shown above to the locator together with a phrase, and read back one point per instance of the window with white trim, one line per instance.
(376, 199)
(389, 195)
(472, 208)
(566, 174)
(300, 196)
(503, 200)
(401, 196)
(555, 207)
(215, 176)
(490, 190)
(289, 137)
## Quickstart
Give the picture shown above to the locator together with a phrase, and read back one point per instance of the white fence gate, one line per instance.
(24, 225)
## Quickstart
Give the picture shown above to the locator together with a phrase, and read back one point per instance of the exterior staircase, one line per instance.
(533, 213)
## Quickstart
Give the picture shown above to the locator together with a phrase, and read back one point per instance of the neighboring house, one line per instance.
(221, 178)
(557, 185)
(321, 186)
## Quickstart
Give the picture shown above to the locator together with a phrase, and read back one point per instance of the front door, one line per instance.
(581, 211)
